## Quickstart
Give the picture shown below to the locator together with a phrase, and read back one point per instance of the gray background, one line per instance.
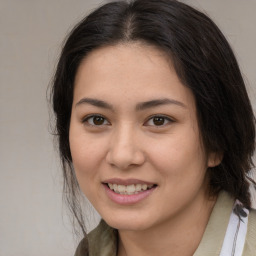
(33, 220)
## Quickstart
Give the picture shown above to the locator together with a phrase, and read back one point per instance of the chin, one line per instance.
(132, 223)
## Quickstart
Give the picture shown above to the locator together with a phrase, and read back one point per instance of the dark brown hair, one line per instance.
(204, 61)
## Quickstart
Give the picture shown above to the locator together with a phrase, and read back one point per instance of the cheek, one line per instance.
(85, 162)
(179, 155)
(182, 167)
(87, 154)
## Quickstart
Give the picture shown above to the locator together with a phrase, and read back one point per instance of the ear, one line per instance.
(214, 159)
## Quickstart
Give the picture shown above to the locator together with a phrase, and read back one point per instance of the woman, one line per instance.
(156, 129)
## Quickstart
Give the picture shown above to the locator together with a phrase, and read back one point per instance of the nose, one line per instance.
(124, 149)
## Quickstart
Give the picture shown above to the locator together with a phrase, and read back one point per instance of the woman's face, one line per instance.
(134, 138)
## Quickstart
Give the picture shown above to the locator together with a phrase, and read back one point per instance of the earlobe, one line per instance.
(214, 159)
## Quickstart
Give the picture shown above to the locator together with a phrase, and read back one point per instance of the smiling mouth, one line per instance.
(129, 189)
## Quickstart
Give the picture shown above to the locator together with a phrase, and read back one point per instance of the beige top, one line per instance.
(103, 239)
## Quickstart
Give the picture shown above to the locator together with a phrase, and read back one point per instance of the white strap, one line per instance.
(234, 240)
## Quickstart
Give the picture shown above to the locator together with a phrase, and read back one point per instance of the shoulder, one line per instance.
(250, 242)
(252, 225)
(102, 239)
(82, 248)
(252, 218)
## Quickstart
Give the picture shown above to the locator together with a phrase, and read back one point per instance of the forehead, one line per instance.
(112, 58)
(129, 71)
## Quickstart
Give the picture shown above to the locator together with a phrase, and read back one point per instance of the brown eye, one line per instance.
(98, 120)
(95, 120)
(158, 121)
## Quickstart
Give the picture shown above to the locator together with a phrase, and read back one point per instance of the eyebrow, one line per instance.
(95, 102)
(139, 107)
(158, 102)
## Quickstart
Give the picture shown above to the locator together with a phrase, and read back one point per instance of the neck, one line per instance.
(178, 236)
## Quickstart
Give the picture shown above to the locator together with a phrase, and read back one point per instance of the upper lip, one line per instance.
(127, 182)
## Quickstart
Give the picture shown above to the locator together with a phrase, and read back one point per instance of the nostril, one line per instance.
(123, 158)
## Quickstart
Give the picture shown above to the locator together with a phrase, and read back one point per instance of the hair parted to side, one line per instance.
(203, 61)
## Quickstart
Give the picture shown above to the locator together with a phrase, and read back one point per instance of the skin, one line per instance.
(128, 144)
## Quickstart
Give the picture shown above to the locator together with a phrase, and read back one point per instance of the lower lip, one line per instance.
(128, 199)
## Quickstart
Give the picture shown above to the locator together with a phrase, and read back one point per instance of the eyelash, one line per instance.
(87, 118)
(166, 120)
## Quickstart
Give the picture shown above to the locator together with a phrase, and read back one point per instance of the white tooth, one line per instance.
(121, 188)
(144, 187)
(138, 187)
(130, 188)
